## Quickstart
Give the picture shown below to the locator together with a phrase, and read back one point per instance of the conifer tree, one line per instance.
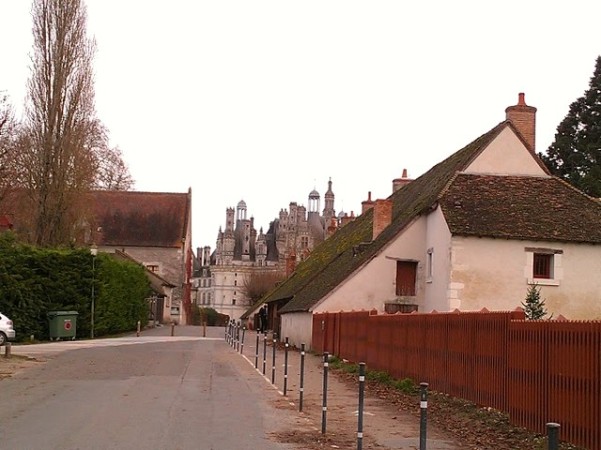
(575, 155)
(534, 306)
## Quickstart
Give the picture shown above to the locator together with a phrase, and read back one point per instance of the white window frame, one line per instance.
(556, 269)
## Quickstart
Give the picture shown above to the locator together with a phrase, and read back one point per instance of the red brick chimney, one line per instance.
(382, 216)
(290, 264)
(347, 219)
(368, 204)
(398, 183)
(523, 117)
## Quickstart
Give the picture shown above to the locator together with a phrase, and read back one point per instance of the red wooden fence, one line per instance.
(536, 371)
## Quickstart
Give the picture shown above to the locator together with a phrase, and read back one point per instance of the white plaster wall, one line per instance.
(374, 283)
(495, 273)
(438, 239)
(297, 327)
(506, 155)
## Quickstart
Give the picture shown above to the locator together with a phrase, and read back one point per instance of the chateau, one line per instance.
(241, 252)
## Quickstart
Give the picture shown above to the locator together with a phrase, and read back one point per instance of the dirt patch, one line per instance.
(475, 427)
(16, 364)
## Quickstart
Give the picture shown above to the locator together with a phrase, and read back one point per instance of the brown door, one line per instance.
(406, 272)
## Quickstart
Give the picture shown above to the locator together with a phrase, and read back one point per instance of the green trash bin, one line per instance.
(62, 324)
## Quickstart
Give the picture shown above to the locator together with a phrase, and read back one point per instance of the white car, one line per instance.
(7, 332)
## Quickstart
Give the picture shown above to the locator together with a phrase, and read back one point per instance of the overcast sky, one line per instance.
(266, 100)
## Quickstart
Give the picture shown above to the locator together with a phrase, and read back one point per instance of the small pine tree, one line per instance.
(534, 306)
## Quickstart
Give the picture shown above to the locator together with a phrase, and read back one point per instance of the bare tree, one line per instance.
(62, 132)
(112, 172)
(259, 283)
(7, 140)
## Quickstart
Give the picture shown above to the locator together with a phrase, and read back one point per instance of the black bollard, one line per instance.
(302, 377)
(361, 402)
(242, 341)
(257, 351)
(273, 360)
(423, 404)
(264, 351)
(324, 407)
(553, 435)
(286, 367)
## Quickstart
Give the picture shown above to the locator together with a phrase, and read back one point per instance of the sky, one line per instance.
(264, 101)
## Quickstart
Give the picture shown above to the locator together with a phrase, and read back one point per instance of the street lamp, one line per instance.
(94, 252)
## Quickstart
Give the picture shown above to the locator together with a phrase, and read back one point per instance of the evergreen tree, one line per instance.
(534, 306)
(575, 155)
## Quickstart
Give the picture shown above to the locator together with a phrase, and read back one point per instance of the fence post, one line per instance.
(423, 404)
(361, 401)
(273, 360)
(264, 350)
(286, 367)
(302, 377)
(553, 435)
(324, 407)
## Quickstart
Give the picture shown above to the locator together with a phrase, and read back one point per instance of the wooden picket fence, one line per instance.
(536, 371)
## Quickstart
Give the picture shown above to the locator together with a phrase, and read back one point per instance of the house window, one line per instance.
(543, 266)
(154, 268)
(430, 265)
(233, 301)
(406, 276)
(304, 242)
(235, 282)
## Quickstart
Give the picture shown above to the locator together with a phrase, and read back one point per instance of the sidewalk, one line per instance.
(384, 426)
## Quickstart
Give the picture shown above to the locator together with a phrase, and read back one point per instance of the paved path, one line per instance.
(384, 426)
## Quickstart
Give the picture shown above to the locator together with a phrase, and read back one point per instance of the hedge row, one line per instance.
(34, 281)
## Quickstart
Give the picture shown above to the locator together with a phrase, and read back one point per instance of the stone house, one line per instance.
(473, 232)
(153, 229)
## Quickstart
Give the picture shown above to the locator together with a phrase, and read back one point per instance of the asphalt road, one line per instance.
(150, 392)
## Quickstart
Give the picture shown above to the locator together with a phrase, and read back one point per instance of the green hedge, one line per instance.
(34, 281)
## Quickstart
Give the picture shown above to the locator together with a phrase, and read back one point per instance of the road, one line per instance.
(148, 392)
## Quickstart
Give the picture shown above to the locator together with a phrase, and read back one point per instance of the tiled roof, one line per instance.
(351, 247)
(148, 219)
(514, 207)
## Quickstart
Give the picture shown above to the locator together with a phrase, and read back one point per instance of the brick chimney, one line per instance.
(382, 216)
(398, 183)
(523, 118)
(347, 219)
(368, 204)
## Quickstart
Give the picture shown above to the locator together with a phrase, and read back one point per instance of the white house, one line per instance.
(473, 232)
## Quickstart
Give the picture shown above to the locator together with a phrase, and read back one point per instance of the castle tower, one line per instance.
(328, 210)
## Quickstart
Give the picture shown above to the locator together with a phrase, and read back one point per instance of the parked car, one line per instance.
(7, 332)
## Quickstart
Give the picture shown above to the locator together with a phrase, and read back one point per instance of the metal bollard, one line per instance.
(7, 350)
(302, 377)
(273, 360)
(361, 402)
(264, 351)
(257, 351)
(423, 404)
(242, 341)
(172, 328)
(138, 329)
(286, 367)
(553, 435)
(324, 407)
